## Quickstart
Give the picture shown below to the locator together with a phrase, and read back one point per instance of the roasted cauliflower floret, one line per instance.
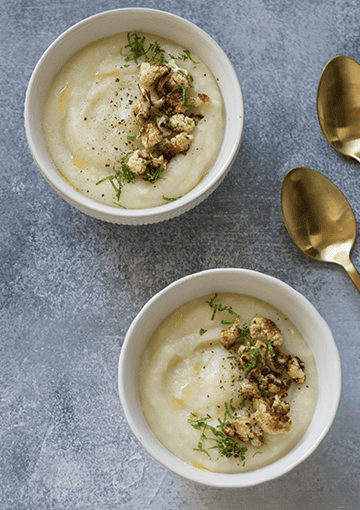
(137, 163)
(176, 77)
(142, 109)
(150, 134)
(252, 354)
(151, 74)
(280, 406)
(181, 123)
(177, 145)
(229, 335)
(265, 329)
(268, 381)
(201, 100)
(268, 419)
(296, 369)
(244, 428)
(249, 389)
(140, 161)
(175, 102)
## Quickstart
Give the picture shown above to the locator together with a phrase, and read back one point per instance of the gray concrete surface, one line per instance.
(71, 285)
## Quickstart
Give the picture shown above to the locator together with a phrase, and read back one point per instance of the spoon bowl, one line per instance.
(338, 105)
(319, 219)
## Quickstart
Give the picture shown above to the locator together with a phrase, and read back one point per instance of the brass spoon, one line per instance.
(338, 105)
(319, 219)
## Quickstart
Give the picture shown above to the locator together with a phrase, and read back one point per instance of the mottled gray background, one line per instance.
(71, 285)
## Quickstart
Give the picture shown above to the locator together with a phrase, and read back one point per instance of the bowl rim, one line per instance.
(306, 445)
(147, 215)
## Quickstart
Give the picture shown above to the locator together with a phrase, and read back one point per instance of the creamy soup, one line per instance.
(186, 372)
(89, 123)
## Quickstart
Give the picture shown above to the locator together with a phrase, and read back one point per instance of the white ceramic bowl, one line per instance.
(142, 20)
(299, 310)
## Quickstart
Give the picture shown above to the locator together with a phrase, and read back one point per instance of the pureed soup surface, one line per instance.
(185, 371)
(88, 119)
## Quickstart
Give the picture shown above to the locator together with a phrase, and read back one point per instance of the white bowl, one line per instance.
(298, 309)
(142, 20)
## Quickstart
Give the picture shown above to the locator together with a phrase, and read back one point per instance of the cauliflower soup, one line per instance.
(227, 383)
(134, 120)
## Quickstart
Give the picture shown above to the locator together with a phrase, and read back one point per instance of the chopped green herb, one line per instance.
(119, 205)
(169, 126)
(119, 178)
(225, 445)
(254, 353)
(185, 97)
(153, 175)
(168, 199)
(202, 331)
(270, 347)
(153, 53)
(218, 307)
(186, 55)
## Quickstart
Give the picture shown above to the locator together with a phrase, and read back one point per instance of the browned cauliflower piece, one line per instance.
(265, 329)
(175, 78)
(151, 134)
(201, 100)
(243, 427)
(280, 406)
(296, 369)
(142, 109)
(249, 389)
(252, 354)
(177, 145)
(268, 381)
(175, 102)
(140, 161)
(271, 383)
(277, 360)
(181, 123)
(137, 163)
(268, 419)
(151, 74)
(229, 335)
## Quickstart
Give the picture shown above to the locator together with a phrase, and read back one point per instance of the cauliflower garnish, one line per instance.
(165, 112)
(265, 374)
(268, 374)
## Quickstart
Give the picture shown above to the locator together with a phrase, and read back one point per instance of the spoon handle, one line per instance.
(353, 273)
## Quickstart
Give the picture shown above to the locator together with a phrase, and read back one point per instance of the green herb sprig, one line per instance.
(225, 445)
(153, 54)
(153, 175)
(120, 176)
(169, 199)
(217, 307)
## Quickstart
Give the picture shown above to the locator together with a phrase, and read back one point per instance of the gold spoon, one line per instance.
(319, 219)
(338, 105)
